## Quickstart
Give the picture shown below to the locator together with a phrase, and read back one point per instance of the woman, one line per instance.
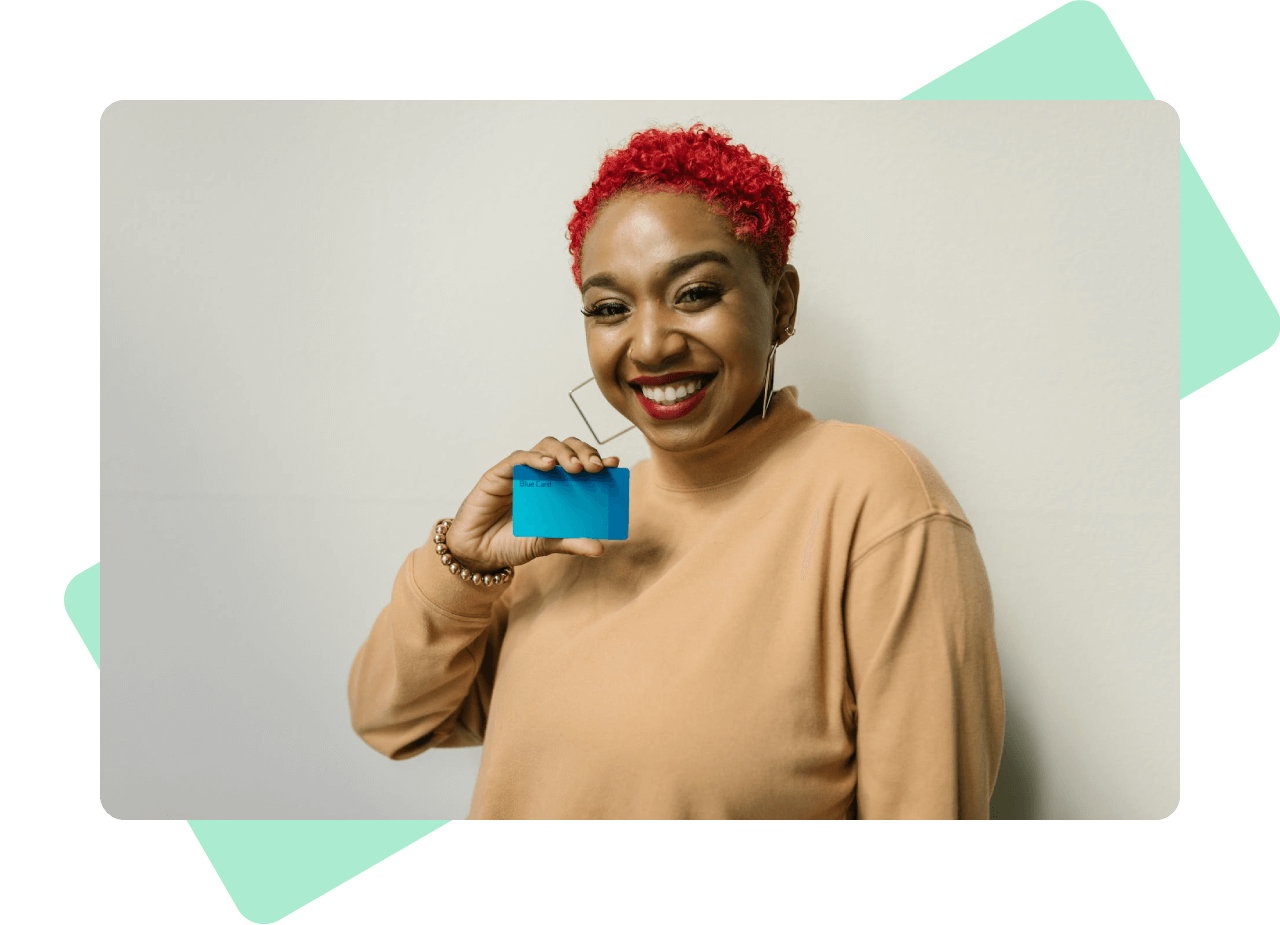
(799, 624)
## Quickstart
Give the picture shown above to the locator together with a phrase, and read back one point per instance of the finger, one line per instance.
(558, 450)
(612, 460)
(534, 458)
(592, 548)
(585, 452)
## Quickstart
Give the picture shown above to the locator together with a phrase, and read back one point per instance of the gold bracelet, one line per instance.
(501, 576)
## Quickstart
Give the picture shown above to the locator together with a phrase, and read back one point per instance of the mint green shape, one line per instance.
(81, 603)
(1074, 54)
(1227, 317)
(271, 868)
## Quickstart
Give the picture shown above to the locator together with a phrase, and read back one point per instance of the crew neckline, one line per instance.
(735, 455)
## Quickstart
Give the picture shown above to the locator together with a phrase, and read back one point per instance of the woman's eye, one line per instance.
(699, 293)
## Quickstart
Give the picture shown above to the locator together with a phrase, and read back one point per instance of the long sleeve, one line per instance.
(928, 698)
(424, 677)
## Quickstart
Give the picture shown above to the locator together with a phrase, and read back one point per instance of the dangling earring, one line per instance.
(768, 375)
(768, 381)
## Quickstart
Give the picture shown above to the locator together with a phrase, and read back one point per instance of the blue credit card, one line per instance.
(561, 505)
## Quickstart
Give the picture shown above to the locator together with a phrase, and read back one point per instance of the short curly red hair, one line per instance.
(743, 187)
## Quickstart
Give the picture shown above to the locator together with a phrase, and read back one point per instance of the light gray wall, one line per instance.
(321, 322)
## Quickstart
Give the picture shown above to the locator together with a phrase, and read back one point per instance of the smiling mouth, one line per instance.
(674, 392)
(707, 380)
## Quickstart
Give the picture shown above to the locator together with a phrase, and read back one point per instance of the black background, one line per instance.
(1208, 65)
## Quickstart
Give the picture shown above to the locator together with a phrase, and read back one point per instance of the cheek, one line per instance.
(604, 356)
(606, 344)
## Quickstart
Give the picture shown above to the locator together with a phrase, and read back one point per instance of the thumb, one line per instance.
(592, 548)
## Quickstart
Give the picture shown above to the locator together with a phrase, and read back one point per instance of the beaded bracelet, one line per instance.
(501, 576)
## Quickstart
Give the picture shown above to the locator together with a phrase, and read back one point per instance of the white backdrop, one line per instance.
(322, 322)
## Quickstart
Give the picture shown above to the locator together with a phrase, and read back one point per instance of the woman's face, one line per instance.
(676, 301)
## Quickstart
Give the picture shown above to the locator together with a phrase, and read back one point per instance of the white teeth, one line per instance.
(669, 394)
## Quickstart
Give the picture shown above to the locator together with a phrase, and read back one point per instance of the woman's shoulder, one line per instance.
(892, 479)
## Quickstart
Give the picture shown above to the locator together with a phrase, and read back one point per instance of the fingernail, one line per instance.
(596, 460)
(574, 459)
(547, 459)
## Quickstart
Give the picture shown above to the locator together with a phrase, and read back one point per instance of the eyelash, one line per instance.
(702, 292)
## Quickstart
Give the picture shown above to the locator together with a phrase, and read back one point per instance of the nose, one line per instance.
(657, 340)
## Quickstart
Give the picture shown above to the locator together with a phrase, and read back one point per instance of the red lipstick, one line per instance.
(670, 412)
(669, 377)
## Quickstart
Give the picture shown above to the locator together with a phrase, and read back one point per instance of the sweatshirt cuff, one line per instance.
(439, 588)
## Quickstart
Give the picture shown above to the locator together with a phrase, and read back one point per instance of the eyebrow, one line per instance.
(674, 268)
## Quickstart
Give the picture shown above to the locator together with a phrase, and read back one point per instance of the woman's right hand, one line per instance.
(481, 537)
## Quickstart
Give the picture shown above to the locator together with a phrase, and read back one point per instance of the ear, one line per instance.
(786, 297)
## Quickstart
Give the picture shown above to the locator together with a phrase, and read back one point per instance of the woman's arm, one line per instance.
(424, 677)
(929, 704)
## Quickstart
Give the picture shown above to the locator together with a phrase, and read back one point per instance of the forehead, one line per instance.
(640, 229)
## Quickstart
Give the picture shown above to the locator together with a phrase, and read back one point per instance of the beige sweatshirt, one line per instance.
(799, 626)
